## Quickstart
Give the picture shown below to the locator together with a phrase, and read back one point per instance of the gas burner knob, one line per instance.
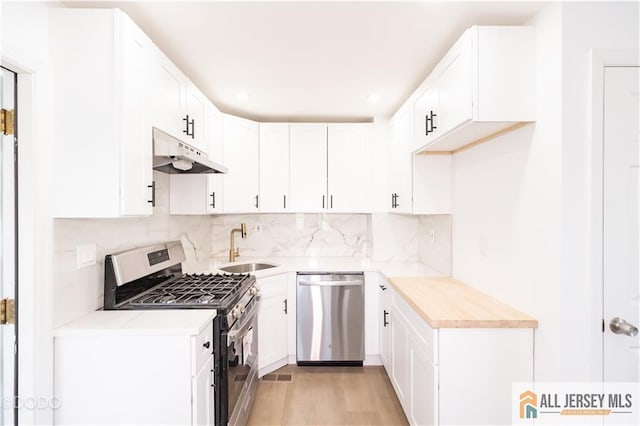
(242, 309)
(236, 312)
(254, 290)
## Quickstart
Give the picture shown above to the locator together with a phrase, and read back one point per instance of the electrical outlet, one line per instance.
(483, 246)
(432, 236)
(86, 255)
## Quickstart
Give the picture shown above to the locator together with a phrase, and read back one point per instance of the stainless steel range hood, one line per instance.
(171, 155)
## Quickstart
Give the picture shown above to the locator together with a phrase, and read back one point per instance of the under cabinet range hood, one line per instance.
(171, 155)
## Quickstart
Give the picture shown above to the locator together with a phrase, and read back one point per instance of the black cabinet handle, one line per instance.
(286, 308)
(257, 203)
(206, 345)
(427, 120)
(153, 193)
(331, 202)
(382, 287)
(397, 205)
(187, 124)
(323, 201)
(394, 200)
(433, 126)
(284, 203)
(213, 200)
(384, 318)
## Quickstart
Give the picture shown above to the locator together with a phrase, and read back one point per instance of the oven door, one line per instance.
(242, 363)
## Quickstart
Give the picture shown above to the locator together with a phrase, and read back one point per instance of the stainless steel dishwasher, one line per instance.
(330, 318)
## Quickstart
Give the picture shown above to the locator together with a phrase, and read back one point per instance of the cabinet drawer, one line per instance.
(275, 286)
(201, 348)
(425, 335)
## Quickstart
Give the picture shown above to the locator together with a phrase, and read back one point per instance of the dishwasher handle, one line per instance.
(330, 283)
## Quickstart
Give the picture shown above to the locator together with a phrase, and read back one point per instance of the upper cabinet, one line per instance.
(349, 167)
(240, 140)
(483, 86)
(101, 64)
(178, 107)
(274, 168)
(308, 160)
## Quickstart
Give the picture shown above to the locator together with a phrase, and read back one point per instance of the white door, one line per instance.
(196, 109)
(168, 96)
(621, 224)
(308, 160)
(349, 172)
(8, 344)
(400, 179)
(240, 142)
(274, 167)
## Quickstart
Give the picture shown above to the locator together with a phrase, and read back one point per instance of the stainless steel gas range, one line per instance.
(151, 277)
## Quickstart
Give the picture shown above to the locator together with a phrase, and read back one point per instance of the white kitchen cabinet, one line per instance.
(103, 145)
(168, 93)
(135, 367)
(431, 369)
(484, 85)
(418, 183)
(196, 194)
(349, 167)
(308, 167)
(273, 326)
(179, 107)
(196, 114)
(240, 141)
(274, 168)
(384, 325)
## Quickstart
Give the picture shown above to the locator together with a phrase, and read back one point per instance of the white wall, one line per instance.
(24, 48)
(585, 26)
(521, 199)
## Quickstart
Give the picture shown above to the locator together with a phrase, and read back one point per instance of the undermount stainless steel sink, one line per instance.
(247, 267)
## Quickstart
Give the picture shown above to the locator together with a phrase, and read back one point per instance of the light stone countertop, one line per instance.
(165, 322)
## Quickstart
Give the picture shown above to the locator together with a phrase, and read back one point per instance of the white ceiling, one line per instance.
(311, 61)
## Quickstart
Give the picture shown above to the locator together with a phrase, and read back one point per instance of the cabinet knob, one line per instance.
(206, 345)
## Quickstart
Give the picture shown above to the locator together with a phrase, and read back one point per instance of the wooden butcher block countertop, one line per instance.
(446, 303)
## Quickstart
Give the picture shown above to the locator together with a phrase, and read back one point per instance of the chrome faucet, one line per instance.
(235, 252)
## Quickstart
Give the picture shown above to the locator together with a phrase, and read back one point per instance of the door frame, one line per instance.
(599, 60)
(35, 230)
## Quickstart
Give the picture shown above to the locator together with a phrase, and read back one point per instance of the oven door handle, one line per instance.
(232, 335)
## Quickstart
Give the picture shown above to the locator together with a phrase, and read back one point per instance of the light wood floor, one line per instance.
(327, 396)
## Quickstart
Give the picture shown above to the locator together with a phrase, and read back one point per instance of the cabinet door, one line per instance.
(455, 87)
(202, 397)
(424, 122)
(168, 96)
(274, 167)
(308, 160)
(240, 141)
(423, 387)
(384, 321)
(400, 360)
(272, 323)
(136, 174)
(349, 161)
(196, 108)
(400, 181)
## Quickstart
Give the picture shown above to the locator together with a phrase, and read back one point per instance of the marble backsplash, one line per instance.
(290, 235)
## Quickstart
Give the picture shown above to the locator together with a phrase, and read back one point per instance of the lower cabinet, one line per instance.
(273, 317)
(144, 367)
(433, 370)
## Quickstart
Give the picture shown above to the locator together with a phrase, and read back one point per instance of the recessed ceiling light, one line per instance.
(242, 96)
(374, 98)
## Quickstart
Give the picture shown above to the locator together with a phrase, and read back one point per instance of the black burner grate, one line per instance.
(195, 289)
